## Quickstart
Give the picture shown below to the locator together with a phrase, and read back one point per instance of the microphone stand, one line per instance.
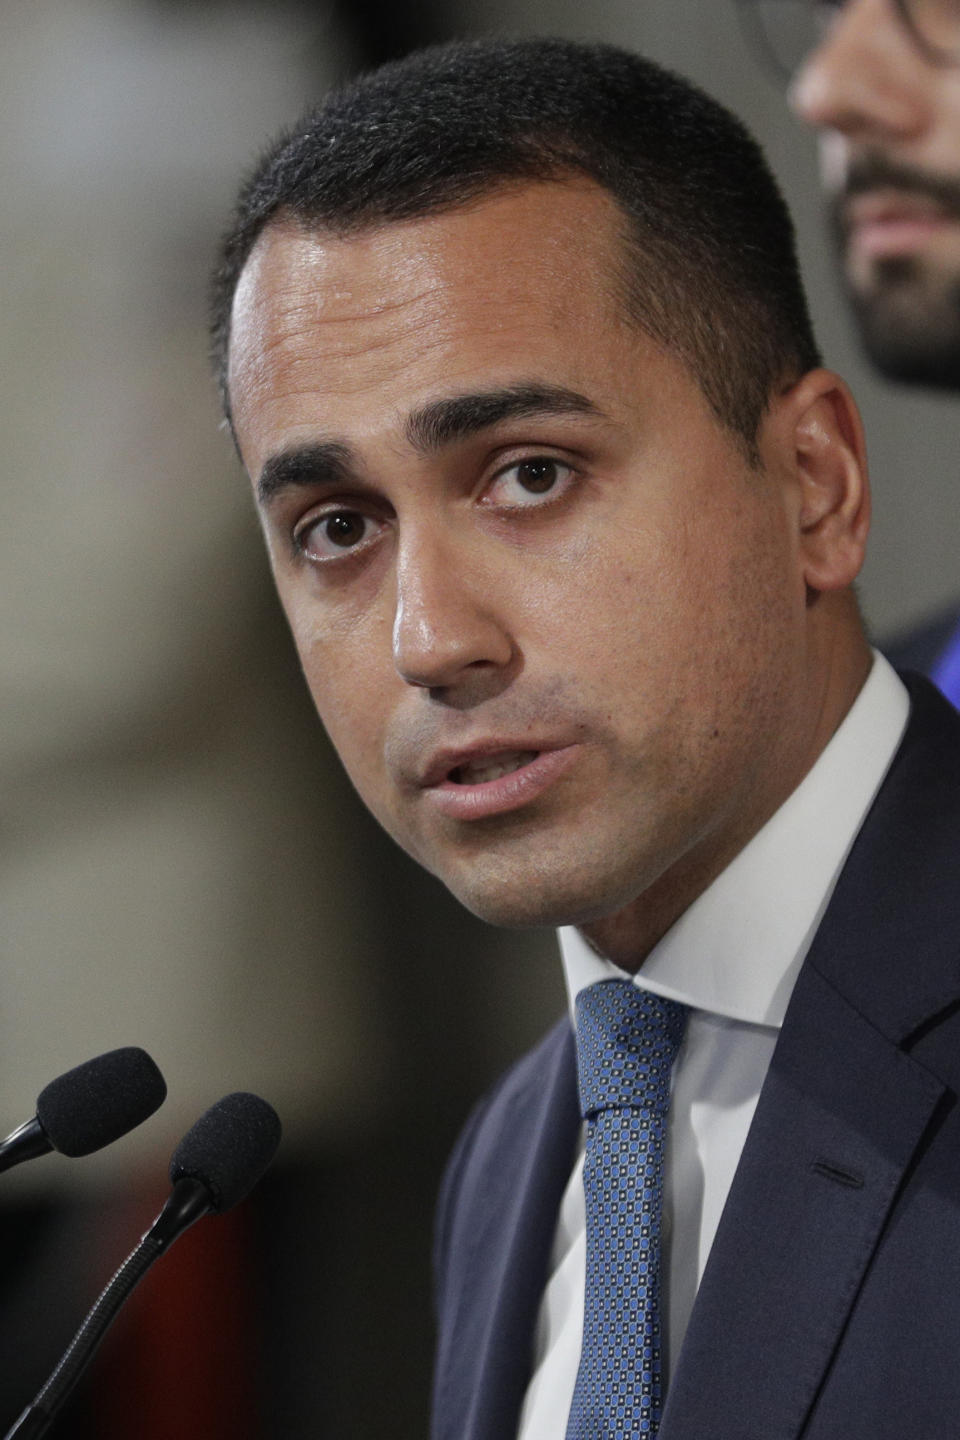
(27, 1142)
(189, 1200)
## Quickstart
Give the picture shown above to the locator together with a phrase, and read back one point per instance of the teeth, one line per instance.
(479, 772)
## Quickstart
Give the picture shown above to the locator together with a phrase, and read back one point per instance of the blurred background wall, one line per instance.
(184, 866)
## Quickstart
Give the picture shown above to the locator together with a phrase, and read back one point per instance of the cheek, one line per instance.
(706, 613)
(649, 592)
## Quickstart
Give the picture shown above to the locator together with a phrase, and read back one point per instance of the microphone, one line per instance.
(216, 1164)
(88, 1107)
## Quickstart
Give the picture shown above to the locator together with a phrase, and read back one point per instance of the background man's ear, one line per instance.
(827, 453)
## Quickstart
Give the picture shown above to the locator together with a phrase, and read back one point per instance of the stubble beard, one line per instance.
(907, 308)
(909, 323)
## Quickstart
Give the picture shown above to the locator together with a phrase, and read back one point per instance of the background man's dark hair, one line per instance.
(709, 268)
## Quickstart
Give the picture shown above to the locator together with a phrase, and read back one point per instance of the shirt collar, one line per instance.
(738, 949)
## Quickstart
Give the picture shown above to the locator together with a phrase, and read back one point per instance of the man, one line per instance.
(565, 515)
(880, 80)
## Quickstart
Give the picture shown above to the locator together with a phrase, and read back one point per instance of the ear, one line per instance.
(821, 434)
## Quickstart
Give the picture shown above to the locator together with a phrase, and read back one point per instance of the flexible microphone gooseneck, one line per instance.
(88, 1107)
(215, 1165)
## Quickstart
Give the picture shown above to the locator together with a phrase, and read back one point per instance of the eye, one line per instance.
(527, 483)
(335, 534)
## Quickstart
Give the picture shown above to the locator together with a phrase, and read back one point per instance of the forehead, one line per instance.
(347, 335)
(508, 243)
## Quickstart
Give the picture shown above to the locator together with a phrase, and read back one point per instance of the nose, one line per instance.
(866, 78)
(449, 632)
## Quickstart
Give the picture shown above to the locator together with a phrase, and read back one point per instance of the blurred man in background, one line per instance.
(880, 81)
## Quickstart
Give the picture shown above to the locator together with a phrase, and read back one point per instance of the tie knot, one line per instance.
(627, 1041)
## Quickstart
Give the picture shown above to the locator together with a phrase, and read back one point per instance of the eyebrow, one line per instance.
(323, 462)
(428, 429)
(459, 417)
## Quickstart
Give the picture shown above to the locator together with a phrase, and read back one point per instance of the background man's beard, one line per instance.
(909, 322)
(907, 308)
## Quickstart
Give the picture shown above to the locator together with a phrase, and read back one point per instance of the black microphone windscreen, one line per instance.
(97, 1102)
(229, 1148)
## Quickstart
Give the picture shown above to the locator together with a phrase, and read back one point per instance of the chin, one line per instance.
(910, 360)
(910, 328)
(532, 898)
(513, 907)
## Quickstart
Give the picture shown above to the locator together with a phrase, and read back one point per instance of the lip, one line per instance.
(889, 223)
(493, 797)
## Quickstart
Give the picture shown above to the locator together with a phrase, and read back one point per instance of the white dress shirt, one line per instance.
(733, 957)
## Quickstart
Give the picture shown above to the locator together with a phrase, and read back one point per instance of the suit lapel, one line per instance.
(841, 1114)
(506, 1237)
(839, 1119)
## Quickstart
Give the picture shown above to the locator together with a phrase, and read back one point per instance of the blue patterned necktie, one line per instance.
(627, 1041)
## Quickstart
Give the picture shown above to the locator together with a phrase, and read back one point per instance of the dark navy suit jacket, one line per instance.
(925, 646)
(830, 1304)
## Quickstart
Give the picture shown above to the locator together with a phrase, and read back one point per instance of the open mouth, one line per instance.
(497, 782)
(486, 768)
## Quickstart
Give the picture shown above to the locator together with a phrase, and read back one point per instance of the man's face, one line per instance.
(551, 618)
(889, 118)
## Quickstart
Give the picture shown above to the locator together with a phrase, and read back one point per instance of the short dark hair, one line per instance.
(710, 260)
